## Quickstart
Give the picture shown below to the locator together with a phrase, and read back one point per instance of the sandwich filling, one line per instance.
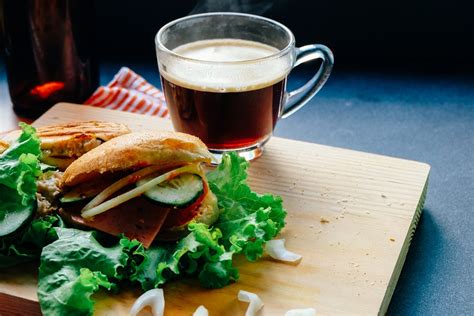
(146, 204)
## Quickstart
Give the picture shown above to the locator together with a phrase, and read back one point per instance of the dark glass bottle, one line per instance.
(50, 53)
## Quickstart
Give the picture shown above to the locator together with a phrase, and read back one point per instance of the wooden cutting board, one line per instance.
(351, 215)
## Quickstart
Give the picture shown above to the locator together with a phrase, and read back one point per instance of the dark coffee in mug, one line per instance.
(224, 78)
(227, 109)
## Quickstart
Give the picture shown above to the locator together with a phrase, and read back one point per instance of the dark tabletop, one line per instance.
(417, 117)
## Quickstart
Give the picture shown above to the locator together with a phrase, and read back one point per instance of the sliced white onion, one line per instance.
(301, 312)
(114, 187)
(122, 198)
(255, 303)
(201, 311)
(153, 298)
(276, 249)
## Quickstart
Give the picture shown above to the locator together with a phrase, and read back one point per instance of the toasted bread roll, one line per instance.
(64, 143)
(137, 150)
(140, 218)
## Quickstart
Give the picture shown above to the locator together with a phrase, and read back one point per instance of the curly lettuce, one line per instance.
(247, 221)
(28, 246)
(200, 252)
(19, 168)
(75, 266)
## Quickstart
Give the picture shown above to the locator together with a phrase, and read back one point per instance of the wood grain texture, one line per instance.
(351, 215)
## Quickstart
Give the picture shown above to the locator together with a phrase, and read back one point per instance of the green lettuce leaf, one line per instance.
(218, 274)
(27, 246)
(200, 252)
(144, 265)
(74, 266)
(68, 291)
(247, 219)
(19, 168)
(27, 142)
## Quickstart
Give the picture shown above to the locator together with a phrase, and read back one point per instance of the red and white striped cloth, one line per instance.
(130, 92)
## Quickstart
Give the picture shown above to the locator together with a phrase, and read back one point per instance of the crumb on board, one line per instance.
(323, 220)
(392, 239)
(383, 195)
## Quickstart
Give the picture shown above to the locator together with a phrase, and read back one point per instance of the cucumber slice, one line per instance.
(178, 192)
(14, 218)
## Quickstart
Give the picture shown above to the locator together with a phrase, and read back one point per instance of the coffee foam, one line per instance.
(207, 75)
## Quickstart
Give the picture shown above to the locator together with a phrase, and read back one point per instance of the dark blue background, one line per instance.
(421, 35)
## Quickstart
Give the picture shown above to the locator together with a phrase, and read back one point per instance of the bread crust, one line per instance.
(135, 150)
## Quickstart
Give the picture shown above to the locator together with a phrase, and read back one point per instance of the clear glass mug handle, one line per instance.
(296, 99)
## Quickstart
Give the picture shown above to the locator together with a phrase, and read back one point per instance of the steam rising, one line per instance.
(245, 6)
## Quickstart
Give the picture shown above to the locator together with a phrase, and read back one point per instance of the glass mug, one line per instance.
(224, 78)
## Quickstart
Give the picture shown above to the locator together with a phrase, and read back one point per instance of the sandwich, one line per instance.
(62, 144)
(172, 220)
(146, 186)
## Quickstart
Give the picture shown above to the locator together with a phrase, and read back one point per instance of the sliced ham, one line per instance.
(137, 219)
